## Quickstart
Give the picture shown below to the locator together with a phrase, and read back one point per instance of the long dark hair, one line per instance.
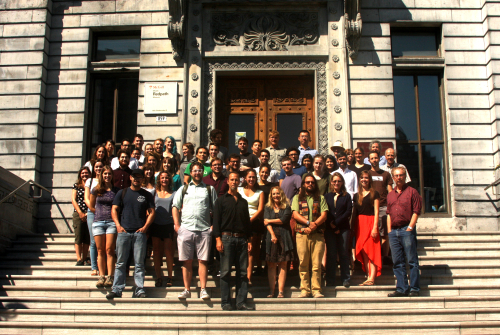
(93, 166)
(79, 181)
(245, 184)
(302, 193)
(105, 159)
(173, 164)
(150, 180)
(343, 190)
(100, 189)
(370, 187)
(170, 184)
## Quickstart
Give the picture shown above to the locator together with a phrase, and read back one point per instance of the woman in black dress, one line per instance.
(279, 244)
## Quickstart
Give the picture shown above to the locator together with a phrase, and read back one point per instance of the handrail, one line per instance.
(495, 183)
(42, 188)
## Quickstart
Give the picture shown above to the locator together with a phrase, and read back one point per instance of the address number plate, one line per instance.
(161, 119)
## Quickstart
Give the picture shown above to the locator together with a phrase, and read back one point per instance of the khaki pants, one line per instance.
(310, 249)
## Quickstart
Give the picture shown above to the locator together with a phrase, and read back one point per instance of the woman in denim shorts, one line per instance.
(104, 228)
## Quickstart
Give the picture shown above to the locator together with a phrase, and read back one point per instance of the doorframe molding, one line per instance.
(211, 67)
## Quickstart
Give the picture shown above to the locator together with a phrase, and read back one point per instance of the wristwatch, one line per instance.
(308, 223)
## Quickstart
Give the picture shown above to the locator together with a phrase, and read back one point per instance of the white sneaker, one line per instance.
(184, 294)
(204, 294)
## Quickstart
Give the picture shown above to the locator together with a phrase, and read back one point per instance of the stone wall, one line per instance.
(469, 81)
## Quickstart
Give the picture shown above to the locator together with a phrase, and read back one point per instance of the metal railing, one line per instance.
(495, 183)
(31, 194)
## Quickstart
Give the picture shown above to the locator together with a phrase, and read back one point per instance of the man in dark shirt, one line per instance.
(248, 160)
(216, 178)
(403, 208)
(121, 176)
(382, 183)
(137, 213)
(231, 228)
(233, 165)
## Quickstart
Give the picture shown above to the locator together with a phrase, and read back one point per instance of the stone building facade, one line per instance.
(347, 70)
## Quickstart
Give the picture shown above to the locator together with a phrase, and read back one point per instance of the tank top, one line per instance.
(253, 201)
(163, 210)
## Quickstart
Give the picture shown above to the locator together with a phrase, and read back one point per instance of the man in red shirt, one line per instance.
(403, 208)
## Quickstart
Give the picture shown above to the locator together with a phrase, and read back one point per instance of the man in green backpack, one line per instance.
(191, 211)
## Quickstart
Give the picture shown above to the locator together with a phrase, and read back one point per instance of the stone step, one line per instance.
(264, 317)
(408, 328)
(291, 291)
(268, 304)
(433, 243)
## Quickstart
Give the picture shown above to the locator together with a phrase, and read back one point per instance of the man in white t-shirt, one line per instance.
(134, 163)
(264, 158)
(350, 177)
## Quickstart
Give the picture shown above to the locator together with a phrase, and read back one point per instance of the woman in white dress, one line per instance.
(251, 192)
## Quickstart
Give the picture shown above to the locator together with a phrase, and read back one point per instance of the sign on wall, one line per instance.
(160, 98)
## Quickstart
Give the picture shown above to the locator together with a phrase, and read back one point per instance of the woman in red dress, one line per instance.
(366, 205)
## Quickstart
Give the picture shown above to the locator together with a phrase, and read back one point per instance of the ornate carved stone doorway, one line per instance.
(314, 70)
(256, 105)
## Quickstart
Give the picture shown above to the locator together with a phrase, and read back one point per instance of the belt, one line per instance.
(226, 233)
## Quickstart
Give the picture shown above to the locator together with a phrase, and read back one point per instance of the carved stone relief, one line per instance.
(320, 78)
(177, 26)
(243, 95)
(353, 26)
(265, 31)
(289, 96)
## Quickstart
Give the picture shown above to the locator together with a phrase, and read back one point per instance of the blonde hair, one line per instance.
(283, 199)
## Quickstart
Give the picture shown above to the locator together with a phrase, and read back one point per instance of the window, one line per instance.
(114, 108)
(123, 46)
(420, 134)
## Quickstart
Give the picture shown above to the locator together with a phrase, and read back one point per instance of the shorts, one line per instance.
(187, 241)
(103, 227)
(161, 231)
(81, 230)
(382, 221)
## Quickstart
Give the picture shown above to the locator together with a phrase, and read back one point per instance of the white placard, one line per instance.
(160, 98)
(161, 118)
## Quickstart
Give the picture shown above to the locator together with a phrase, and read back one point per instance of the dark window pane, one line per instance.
(429, 107)
(408, 156)
(289, 127)
(126, 123)
(414, 44)
(102, 125)
(433, 165)
(116, 47)
(240, 123)
(404, 105)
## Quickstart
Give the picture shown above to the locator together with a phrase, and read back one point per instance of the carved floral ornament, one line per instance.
(353, 26)
(177, 26)
(265, 31)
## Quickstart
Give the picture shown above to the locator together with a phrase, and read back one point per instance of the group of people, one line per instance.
(292, 208)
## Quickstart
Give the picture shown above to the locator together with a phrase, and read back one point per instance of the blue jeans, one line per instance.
(93, 248)
(337, 244)
(124, 243)
(235, 252)
(404, 243)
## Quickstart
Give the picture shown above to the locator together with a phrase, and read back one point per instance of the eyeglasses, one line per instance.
(197, 171)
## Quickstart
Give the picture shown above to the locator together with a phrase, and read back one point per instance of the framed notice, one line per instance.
(160, 98)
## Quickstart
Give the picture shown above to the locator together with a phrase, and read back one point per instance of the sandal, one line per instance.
(281, 294)
(367, 283)
(159, 282)
(270, 295)
(94, 273)
(168, 281)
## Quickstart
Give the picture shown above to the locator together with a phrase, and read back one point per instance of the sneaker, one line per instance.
(112, 295)
(109, 281)
(318, 295)
(184, 294)
(141, 295)
(218, 273)
(100, 281)
(227, 307)
(204, 294)
(346, 284)
(80, 262)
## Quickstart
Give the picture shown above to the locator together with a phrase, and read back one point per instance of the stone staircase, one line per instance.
(43, 292)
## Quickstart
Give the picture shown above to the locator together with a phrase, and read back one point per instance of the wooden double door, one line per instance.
(251, 107)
